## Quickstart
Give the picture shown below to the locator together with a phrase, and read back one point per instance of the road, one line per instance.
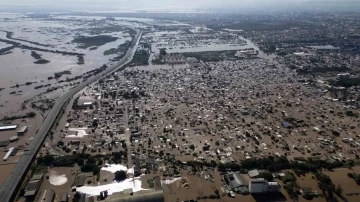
(13, 181)
(127, 135)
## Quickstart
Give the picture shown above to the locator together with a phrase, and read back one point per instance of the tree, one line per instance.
(192, 147)
(267, 176)
(31, 114)
(95, 123)
(60, 143)
(338, 190)
(217, 193)
(163, 51)
(120, 175)
(77, 197)
(325, 184)
(46, 160)
(351, 164)
(290, 188)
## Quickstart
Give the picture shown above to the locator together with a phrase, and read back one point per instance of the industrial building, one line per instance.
(83, 102)
(236, 182)
(8, 127)
(22, 130)
(33, 186)
(64, 198)
(262, 186)
(143, 196)
(7, 155)
(79, 181)
(47, 195)
(4, 143)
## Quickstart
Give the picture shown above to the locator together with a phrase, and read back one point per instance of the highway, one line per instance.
(14, 180)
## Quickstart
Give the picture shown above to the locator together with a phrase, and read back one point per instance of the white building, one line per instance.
(261, 186)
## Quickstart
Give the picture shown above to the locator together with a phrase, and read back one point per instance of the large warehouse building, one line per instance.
(261, 186)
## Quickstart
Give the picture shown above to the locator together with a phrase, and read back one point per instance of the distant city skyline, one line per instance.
(165, 5)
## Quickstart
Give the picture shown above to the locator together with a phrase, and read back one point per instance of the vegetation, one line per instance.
(211, 56)
(291, 189)
(325, 184)
(59, 74)
(90, 41)
(275, 164)
(355, 177)
(267, 176)
(120, 175)
(27, 115)
(42, 61)
(120, 49)
(346, 82)
(140, 60)
(77, 197)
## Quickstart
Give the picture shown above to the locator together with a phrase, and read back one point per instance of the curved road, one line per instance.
(14, 180)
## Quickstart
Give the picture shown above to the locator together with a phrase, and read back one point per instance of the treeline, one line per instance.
(276, 164)
(355, 177)
(81, 159)
(19, 45)
(27, 115)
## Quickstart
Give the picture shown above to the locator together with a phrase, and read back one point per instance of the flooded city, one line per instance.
(180, 106)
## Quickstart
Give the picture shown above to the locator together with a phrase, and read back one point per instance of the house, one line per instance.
(253, 173)
(286, 125)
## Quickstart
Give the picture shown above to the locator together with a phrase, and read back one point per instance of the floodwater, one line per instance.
(325, 47)
(4, 45)
(214, 47)
(158, 67)
(18, 67)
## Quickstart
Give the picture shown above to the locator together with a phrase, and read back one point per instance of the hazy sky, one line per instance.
(147, 4)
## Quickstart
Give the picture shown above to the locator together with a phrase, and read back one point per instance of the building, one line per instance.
(65, 197)
(4, 143)
(343, 75)
(253, 173)
(33, 186)
(7, 155)
(13, 138)
(192, 61)
(8, 127)
(22, 130)
(286, 125)
(84, 102)
(47, 195)
(236, 182)
(174, 59)
(79, 181)
(261, 186)
(143, 196)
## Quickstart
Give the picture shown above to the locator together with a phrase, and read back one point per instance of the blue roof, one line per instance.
(286, 124)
